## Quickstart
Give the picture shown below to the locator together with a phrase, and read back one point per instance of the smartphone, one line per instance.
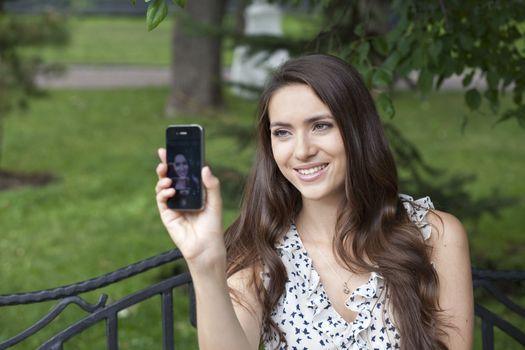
(185, 158)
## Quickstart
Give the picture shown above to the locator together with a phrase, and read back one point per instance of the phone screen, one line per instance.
(184, 155)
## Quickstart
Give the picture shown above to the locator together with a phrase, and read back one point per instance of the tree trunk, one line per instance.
(196, 58)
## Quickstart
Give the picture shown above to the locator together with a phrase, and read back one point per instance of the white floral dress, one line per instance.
(305, 315)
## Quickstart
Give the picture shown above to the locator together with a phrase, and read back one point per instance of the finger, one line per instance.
(163, 183)
(213, 190)
(162, 154)
(163, 196)
(162, 170)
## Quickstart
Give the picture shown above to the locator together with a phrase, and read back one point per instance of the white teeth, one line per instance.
(310, 171)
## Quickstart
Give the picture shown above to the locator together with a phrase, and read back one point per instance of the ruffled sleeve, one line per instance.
(363, 300)
(417, 211)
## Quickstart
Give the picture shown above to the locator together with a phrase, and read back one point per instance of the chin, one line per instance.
(320, 194)
(313, 195)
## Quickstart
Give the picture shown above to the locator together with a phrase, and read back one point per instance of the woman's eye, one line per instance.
(322, 126)
(280, 133)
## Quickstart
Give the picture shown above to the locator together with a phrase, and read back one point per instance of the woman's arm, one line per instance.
(221, 322)
(199, 236)
(451, 259)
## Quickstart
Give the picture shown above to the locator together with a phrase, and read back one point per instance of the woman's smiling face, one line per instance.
(306, 143)
(181, 165)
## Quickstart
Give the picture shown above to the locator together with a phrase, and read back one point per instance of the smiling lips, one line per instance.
(311, 173)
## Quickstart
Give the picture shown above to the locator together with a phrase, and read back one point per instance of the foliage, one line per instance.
(478, 40)
(17, 72)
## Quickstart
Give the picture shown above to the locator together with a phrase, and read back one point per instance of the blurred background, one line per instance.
(86, 92)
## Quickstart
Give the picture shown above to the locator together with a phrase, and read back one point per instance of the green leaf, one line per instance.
(448, 66)
(492, 79)
(133, 2)
(425, 81)
(362, 50)
(382, 77)
(467, 79)
(517, 113)
(419, 59)
(360, 30)
(404, 67)
(434, 51)
(181, 3)
(466, 41)
(404, 46)
(380, 45)
(367, 76)
(439, 81)
(493, 96)
(518, 95)
(473, 99)
(157, 11)
(385, 105)
(506, 116)
(392, 61)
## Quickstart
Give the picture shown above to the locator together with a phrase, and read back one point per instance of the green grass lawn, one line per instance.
(101, 215)
(101, 40)
(112, 40)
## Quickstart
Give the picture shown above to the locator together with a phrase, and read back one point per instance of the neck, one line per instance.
(319, 217)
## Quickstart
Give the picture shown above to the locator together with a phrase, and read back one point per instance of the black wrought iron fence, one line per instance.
(100, 312)
(485, 279)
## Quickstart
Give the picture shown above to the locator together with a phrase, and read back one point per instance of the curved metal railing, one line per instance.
(484, 279)
(100, 312)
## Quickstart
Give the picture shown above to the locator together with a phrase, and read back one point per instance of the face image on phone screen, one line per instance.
(184, 158)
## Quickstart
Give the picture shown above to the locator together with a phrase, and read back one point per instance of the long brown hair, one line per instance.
(373, 231)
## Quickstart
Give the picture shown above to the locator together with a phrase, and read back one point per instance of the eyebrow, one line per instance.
(309, 120)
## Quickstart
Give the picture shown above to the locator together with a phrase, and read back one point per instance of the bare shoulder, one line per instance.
(451, 259)
(447, 232)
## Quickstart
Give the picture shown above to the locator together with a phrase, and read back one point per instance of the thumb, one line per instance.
(213, 188)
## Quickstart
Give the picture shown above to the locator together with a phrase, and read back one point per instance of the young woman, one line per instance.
(325, 254)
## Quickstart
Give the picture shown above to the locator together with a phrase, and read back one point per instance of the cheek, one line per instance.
(337, 147)
(281, 152)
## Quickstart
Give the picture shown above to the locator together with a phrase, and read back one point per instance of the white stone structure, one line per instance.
(252, 69)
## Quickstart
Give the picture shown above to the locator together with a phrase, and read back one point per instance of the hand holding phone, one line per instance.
(198, 234)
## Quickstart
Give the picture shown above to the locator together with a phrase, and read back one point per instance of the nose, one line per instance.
(305, 148)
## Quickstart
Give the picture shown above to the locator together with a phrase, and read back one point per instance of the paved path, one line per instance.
(108, 77)
(118, 76)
